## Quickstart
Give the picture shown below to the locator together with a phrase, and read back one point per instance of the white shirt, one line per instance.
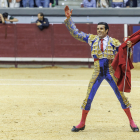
(103, 2)
(3, 3)
(105, 42)
(8, 19)
(13, 4)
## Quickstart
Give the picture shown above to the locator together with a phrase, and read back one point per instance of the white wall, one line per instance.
(110, 20)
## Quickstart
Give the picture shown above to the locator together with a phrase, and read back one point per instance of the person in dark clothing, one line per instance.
(42, 22)
(131, 3)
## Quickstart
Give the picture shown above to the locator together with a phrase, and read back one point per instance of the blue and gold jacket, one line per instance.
(93, 41)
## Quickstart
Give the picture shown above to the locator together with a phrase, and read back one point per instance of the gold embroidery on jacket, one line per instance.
(95, 74)
(116, 42)
(109, 52)
(91, 38)
(74, 31)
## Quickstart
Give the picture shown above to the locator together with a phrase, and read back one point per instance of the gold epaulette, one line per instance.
(116, 42)
(91, 38)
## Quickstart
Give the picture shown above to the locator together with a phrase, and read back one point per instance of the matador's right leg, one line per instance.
(112, 80)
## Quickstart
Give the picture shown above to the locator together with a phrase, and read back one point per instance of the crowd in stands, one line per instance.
(42, 22)
(85, 3)
(28, 3)
(110, 3)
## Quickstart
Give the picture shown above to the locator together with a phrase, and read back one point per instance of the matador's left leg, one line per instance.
(112, 80)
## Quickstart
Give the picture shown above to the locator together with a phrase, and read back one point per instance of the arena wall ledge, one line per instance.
(76, 12)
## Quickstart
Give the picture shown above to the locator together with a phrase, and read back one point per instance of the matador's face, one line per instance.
(101, 32)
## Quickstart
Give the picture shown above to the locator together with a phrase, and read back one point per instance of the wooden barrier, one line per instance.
(26, 43)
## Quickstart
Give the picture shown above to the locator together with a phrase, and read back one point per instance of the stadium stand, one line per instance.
(73, 3)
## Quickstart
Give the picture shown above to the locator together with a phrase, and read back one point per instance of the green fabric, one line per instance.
(11, 17)
(53, 4)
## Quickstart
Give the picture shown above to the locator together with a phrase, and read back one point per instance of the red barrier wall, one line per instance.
(31, 42)
(26, 40)
(67, 46)
(7, 40)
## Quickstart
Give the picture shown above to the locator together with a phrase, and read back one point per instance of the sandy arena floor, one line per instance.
(44, 104)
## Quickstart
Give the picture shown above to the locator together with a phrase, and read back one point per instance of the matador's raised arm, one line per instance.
(72, 28)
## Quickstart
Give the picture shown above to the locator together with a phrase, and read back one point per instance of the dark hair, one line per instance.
(41, 14)
(5, 15)
(106, 25)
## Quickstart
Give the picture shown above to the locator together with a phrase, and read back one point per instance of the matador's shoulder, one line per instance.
(116, 42)
(91, 38)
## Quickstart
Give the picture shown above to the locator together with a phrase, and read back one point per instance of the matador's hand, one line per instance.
(129, 44)
(68, 13)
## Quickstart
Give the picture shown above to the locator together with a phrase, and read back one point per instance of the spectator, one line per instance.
(3, 3)
(42, 3)
(103, 3)
(117, 3)
(42, 22)
(131, 3)
(89, 3)
(1, 19)
(8, 18)
(28, 3)
(52, 3)
(14, 3)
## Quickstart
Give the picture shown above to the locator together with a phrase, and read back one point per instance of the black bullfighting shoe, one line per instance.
(135, 129)
(74, 129)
